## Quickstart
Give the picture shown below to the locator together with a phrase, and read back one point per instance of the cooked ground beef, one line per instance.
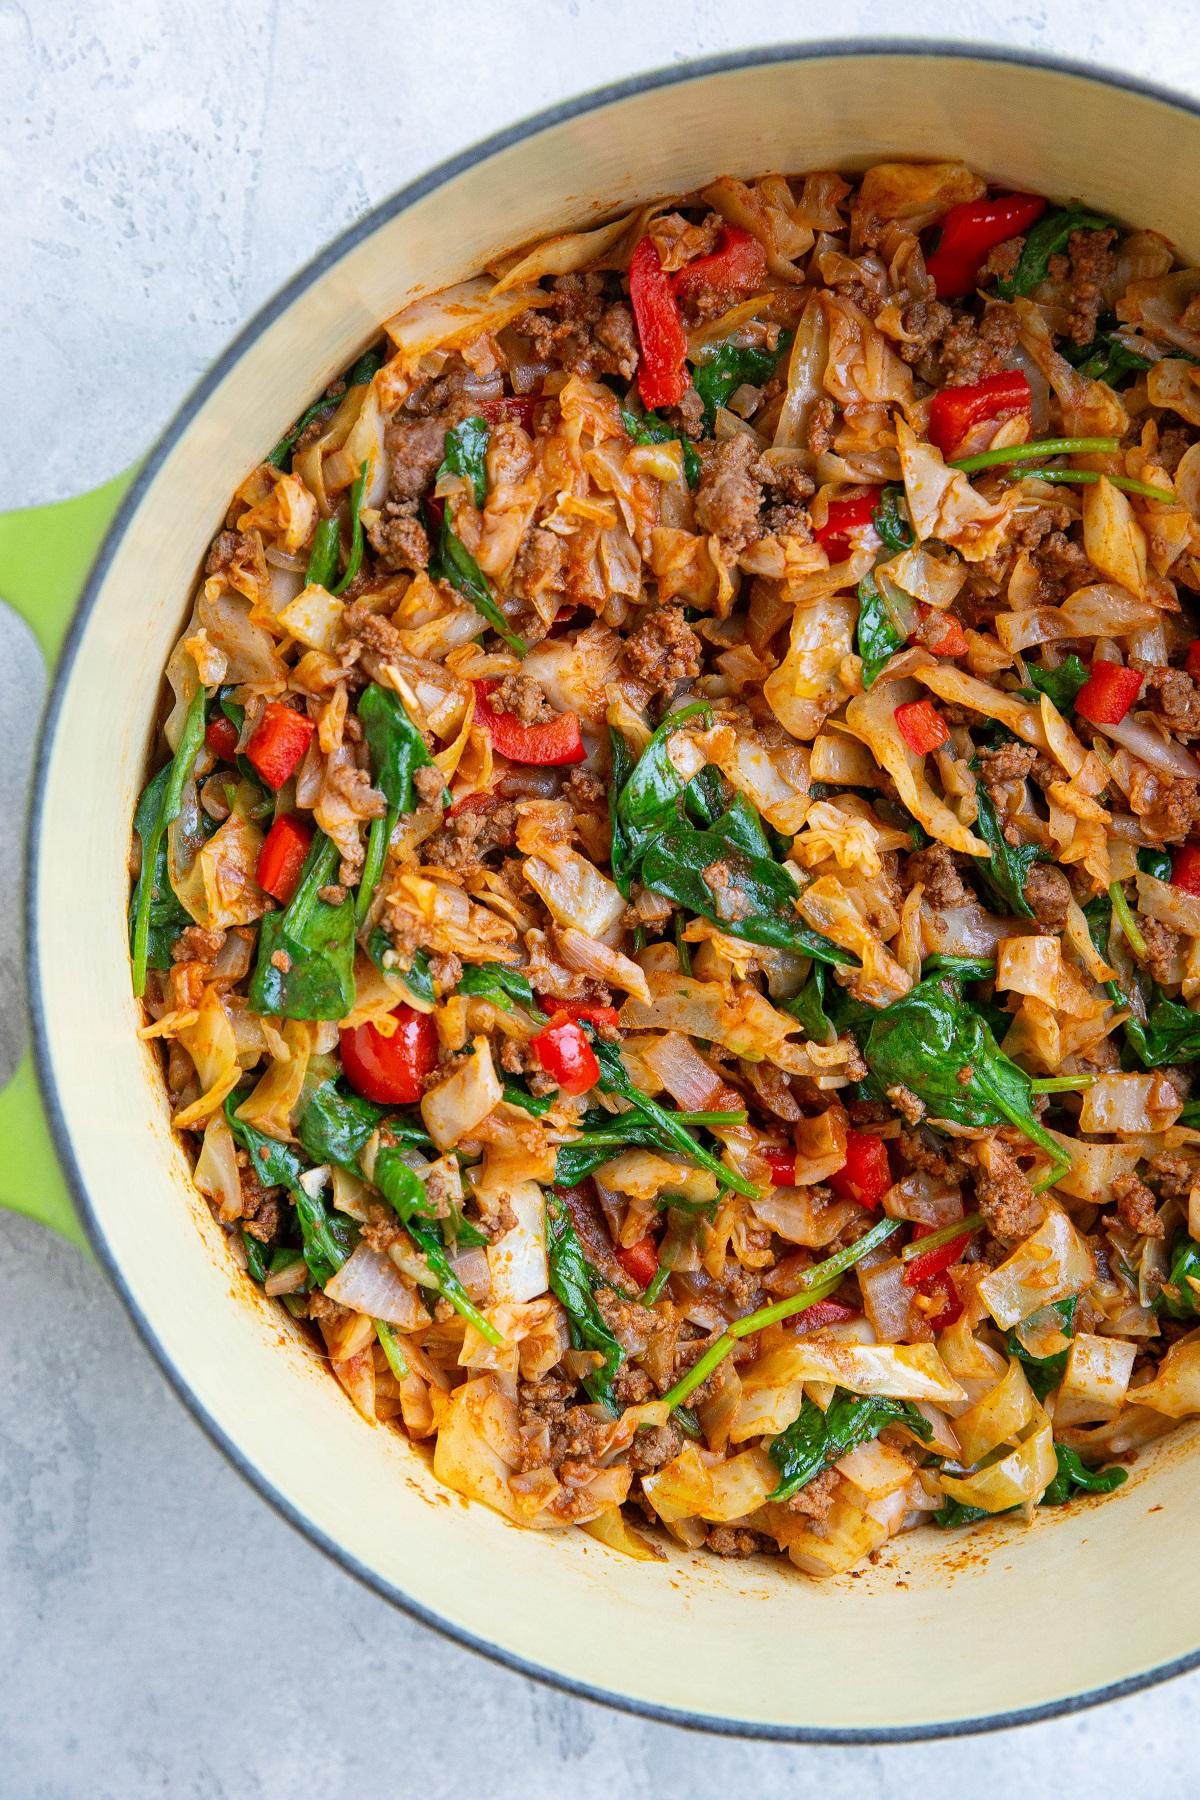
(970, 352)
(1175, 1173)
(1002, 1193)
(730, 492)
(934, 867)
(1092, 263)
(1136, 1206)
(1175, 814)
(816, 1497)
(582, 330)
(522, 695)
(1049, 893)
(398, 537)
(663, 651)
(1162, 948)
(1171, 696)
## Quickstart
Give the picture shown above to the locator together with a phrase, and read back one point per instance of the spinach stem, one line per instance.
(945, 1234)
(377, 847)
(180, 766)
(1126, 920)
(1065, 446)
(656, 1287)
(682, 945)
(1061, 1084)
(391, 1349)
(1125, 482)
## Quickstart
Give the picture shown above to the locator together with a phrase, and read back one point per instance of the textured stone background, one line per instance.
(164, 166)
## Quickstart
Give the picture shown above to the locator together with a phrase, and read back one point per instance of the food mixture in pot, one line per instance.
(670, 901)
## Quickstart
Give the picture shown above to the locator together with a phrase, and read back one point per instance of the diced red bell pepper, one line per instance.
(1192, 665)
(955, 411)
(662, 367)
(1185, 869)
(823, 1313)
(942, 1287)
(566, 1056)
(391, 1070)
(640, 1261)
(279, 743)
(921, 1268)
(282, 857)
(921, 726)
(551, 745)
(738, 262)
(953, 640)
(970, 231)
(472, 803)
(843, 515)
(517, 408)
(221, 738)
(865, 1175)
(1108, 693)
(578, 1009)
(782, 1164)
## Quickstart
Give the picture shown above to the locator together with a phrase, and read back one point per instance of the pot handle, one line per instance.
(46, 553)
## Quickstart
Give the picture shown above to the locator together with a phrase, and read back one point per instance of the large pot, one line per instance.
(943, 1634)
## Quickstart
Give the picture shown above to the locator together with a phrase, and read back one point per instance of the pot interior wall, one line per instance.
(935, 1633)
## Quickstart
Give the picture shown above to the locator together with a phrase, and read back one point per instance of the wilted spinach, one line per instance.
(815, 1439)
(466, 455)
(314, 941)
(572, 1279)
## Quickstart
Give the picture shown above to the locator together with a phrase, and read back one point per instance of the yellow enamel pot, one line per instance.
(943, 1633)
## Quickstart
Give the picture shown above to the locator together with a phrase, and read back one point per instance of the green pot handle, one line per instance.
(46, 553)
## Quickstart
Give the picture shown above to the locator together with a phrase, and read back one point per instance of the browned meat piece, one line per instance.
(632, 1325)
(398, 537)
(415, 449)
(1171, 696)
(820, 426)
(376, 633)
(651, 1449)
(581, 330)
(1175, 1173)
(1136, 1206)
(1011, 762)
(1162, 948)
(934, 868)
(1004, 1197)
(1173, 442)
(260, 1205)
(730, 492)
(430, 784)
(1062, 566)
(1092, 264)
(538, 570)
(522, 695)
(816, 1496)
(463, 842)
(736, 1541)
(689, 414)
(320, 1306)
(787, 516)
(584, 791)
(1175, 813)
(663, 651)
(195, 944)
(926, 322)
(972, 352)
(1002, 261)
(907, 1103)
(229, 547)
(1049, 893)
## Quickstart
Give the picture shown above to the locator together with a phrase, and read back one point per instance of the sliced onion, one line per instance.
(370, 1283)
(1153, 748)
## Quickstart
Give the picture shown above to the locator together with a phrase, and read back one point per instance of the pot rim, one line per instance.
(577, 106)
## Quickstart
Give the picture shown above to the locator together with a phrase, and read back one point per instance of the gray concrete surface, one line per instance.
(164, 165)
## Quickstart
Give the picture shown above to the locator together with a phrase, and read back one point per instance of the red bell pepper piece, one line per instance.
(825, 1312)
(566, 1056)
(970, 231)
(221, 738)
(843, 514)
(921, 1268)
(953, 640)
(942, 1287)
(516, 408)
(391, 1070)
(865, 1175)
(782, 1164)
(1192, 665)
(955, 411)
(662, 369)
(1185, 869)
(640, 1261)
(282, 857)
(1108, 693)
(279, 742)
(578, 1009)
(739, 261)
(921, 726)
(551, 745)
(472, 803)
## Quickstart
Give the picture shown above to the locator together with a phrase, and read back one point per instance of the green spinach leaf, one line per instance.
(454, 563)
(876, 636)
(1045, 1372)
(158, 807)
(572, 1279)
(733, 366)
(891, 519)
(1074, 1477)
(466, 455)
(673, 1133)
(652, 428)
(1061, 684)
(336, 1125)
(1049, 237)
(354, 560)
(929, 1039)
(815, 1439)
(1185, 1261)
(648, 798)
(1006, 871)
(397, 748)
(500, 985)
(317, 945)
